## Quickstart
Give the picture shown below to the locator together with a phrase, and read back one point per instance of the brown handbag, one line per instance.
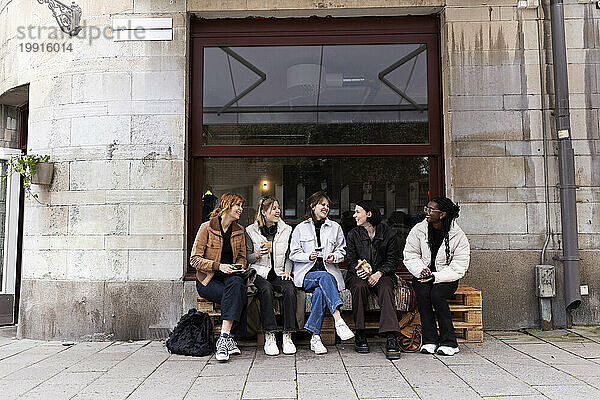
(410, 338)
(405, 300)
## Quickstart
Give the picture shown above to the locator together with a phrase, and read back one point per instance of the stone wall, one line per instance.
(107, 242)
(497, 88)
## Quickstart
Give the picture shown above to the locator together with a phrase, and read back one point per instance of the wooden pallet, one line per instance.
(466, 306)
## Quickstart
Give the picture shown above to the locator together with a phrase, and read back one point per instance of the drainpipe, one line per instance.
(566, 157)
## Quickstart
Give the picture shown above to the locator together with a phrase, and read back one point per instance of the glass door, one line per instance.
(9, 224)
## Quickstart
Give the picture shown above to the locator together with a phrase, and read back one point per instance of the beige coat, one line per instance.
(417, 254)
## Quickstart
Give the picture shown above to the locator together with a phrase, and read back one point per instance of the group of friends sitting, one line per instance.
(308, 258)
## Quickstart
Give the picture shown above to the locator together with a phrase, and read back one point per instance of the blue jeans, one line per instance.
(325, 294)
(230, 292)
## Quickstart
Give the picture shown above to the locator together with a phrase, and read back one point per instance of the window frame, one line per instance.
(310, 31)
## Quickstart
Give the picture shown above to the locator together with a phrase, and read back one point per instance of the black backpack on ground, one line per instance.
(192, 336)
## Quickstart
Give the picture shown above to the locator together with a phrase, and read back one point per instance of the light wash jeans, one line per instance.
(325, 294)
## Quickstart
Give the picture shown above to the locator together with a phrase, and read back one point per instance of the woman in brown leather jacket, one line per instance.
(218, 255)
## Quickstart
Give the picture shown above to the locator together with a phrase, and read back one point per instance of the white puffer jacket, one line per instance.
(278, 251)
(417, 254)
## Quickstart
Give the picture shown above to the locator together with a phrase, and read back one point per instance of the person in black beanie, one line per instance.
(437, 253)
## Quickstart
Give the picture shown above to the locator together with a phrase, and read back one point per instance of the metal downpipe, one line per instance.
(566, 157)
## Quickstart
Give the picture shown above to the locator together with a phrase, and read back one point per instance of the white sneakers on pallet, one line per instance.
(271, 348)
(316, 345)
(288, 344)
(342, 330)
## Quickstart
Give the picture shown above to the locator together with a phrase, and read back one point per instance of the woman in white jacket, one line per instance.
(317, 247)
(267, 251)
(437, 253)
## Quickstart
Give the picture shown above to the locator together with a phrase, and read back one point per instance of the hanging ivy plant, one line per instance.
(27, 166)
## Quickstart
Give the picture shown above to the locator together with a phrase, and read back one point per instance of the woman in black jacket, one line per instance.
(376, 243)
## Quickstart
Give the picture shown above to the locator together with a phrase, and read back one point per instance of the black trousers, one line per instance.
(229, 291)
(388, 319)
(265, 298)
(430, 296)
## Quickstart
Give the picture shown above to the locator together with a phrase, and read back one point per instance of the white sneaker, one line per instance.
(447, 350)
(288, 344)
(342, 330)
(316, 345)
(232, 347)
(428, 348)
(222, 353)
(271, 348)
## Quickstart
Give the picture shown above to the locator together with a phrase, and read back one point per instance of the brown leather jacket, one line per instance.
(206, 252)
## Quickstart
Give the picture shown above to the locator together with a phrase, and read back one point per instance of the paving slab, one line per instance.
(16, 347)
(491, 380)
(514, 337)
(570, 392)
(587, 349)
(62, 386)
(540, 375)
(109, 388)
(269, 390)
(172, 379)
(326, 386)
(271, 374)
(550, 354)
(589, 332)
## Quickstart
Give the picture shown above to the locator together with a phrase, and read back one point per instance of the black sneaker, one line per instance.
(360, 343)
(392, 351)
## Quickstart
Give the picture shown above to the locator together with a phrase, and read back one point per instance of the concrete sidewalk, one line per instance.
(561, 364)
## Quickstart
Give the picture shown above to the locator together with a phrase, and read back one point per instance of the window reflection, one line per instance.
(315, 94)
(399, 186)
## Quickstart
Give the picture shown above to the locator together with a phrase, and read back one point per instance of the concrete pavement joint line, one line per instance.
(296, 373)
(147, 376)
(584, 336)
(504, 369)
(19, 352)
(40, 360)
(113, 343)
(194, 381)
(454, 372)
(407, 381)
(104, 373)
(346, 369)
(61, 371)
(248, 374)
(551, 366)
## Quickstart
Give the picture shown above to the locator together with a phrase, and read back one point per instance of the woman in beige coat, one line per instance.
(437, 253)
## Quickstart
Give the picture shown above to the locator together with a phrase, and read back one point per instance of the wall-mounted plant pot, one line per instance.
(43, 176)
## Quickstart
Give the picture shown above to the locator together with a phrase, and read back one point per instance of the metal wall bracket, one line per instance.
(68, 18)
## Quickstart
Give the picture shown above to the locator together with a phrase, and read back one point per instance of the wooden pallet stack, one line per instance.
(466, 307)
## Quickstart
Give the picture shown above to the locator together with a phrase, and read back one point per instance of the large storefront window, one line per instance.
(315, 94)
(291, 107)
